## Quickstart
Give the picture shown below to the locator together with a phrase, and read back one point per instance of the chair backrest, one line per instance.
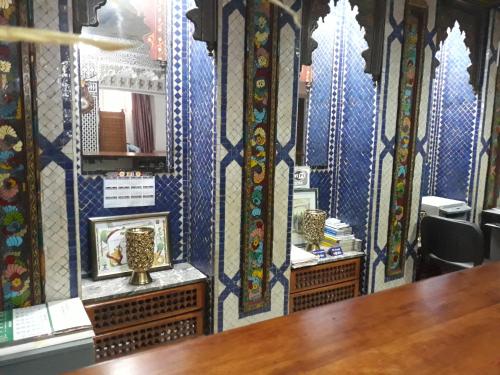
(452, 240)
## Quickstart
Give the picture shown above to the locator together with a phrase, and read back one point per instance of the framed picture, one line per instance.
(109, 246)
(303, 199)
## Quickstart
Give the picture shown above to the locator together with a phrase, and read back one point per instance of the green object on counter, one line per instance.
(6, 326)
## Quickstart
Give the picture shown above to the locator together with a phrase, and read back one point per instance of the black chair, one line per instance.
(450, 245)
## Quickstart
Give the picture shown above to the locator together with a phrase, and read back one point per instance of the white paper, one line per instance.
(68, 315)
(129, 191)
(31, 322)
(300, 256)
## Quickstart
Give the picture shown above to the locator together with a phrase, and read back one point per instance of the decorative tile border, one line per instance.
(402, 183)
(21, 275)
(259, 144)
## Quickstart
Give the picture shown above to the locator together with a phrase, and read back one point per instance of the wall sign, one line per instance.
(302, 177)
(259, 137)
(406, 131)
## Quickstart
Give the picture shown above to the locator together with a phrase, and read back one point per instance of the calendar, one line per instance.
(31, 322)
(129, 191)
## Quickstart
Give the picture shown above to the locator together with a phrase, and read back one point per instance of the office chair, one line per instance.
(451, 245)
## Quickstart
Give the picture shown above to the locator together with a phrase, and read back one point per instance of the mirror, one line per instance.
(123, 94)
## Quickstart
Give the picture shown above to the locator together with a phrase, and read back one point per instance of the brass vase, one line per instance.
(140, 254)
(314, 228)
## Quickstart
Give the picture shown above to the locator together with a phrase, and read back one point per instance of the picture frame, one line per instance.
(303, 199)
(108, 244)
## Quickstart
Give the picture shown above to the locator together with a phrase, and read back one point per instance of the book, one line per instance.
(332, 221)
(338, 226)
(338, 238)
(336, 232)
(68, 315)
(43, 321)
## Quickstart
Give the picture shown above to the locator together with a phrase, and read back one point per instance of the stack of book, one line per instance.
(339, 234)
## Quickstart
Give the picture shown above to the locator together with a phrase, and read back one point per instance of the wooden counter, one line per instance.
(446, 325)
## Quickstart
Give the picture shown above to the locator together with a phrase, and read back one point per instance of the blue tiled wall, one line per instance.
(201, 168)
(454, 124)
(319, 111)
(340, 83)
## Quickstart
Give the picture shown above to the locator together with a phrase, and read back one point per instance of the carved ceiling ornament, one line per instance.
(204, 19)
(312, 11)
(473, 18)
(85, 13)
(371, 16)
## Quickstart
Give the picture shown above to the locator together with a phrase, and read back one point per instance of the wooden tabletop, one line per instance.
(445, 325)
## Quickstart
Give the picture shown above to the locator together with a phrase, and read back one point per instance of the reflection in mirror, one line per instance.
(123, 94)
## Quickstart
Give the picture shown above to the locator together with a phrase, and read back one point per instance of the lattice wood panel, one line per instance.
(129, 340)
(124, 312)
(325, 274)
(323, 296)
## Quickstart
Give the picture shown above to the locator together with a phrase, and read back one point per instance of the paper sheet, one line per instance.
(68, 315)
(31, 322)
(129, 191)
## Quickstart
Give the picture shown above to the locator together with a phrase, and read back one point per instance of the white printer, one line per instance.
(438, 206)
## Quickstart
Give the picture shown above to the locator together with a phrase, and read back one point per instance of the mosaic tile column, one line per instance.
(384, 161)
(229, 166)
(21, 270)
(55, 125)
(406, 132)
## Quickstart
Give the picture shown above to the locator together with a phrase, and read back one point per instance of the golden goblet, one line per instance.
(140, 254)
(314, 228)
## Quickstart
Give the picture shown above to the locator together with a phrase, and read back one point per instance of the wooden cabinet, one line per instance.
(325, 283)
(125, 325)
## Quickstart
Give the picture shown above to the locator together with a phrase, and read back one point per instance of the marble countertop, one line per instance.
(329, 258)
(103, 290)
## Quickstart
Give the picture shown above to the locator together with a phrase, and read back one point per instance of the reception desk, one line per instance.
(446, 325)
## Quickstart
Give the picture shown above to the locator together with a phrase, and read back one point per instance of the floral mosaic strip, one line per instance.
(15, 201)
(411, 62)
(259, 136)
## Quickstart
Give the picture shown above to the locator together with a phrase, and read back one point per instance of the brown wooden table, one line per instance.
(445, 325)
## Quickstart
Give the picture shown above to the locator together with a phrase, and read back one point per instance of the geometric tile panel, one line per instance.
(55, 233)
(356, 131)
(383, 167)
(320, 103)
(55, 140)
(229, 184)
(89, 135)
(202, 89)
